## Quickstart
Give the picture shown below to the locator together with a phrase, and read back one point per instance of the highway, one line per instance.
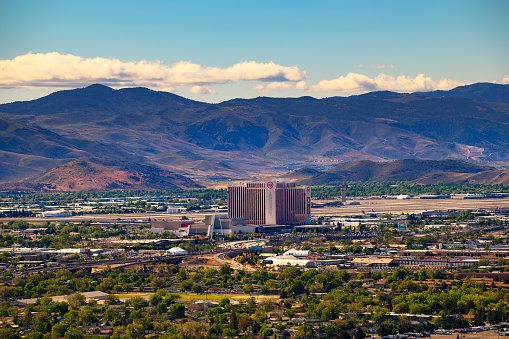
(243, 244)
(233, 247)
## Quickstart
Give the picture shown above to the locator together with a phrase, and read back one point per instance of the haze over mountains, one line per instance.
(244, 136)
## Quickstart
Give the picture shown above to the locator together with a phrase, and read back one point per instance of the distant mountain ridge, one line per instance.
(483, 91)
(241, 137)
(409, 170)
(100, 98)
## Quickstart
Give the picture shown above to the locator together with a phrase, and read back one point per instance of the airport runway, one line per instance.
(415, 206)
(393, 206)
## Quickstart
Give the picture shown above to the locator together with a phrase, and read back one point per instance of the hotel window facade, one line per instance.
(273, 202)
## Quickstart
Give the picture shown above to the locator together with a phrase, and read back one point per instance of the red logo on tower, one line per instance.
(308, 190)
(270, 184)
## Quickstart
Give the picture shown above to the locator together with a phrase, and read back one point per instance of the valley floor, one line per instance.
(393, 206)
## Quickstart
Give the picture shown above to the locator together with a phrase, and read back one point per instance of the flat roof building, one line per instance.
(213, 223)
(54, 214)
(274, 202)
(181, 228)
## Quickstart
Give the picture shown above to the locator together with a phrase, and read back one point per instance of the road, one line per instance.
(233, 264)
(242, 244)
(113, 263)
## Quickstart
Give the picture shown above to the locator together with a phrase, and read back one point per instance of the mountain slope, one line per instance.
(102, 175)
(18, 167)
(29, 150)
(32, 140)
(417, 171)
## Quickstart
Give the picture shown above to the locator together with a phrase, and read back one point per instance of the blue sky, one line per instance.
(218, 50)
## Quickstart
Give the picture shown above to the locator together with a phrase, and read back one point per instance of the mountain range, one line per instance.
(241, 137)
(409, 170)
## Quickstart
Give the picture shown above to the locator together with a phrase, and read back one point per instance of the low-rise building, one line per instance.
(373, 262)
(54, 214)
(287, 260)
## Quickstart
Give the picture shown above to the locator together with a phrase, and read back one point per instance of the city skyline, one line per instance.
(219, 51)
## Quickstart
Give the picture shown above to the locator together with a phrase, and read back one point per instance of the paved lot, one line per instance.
(479, 335)
(412, 206)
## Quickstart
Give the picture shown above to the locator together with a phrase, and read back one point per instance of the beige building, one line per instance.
(373, 262)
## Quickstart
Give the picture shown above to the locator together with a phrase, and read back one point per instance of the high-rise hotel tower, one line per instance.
(274, 202)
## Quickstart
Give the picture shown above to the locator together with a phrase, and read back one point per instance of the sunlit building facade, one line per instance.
(274, 202)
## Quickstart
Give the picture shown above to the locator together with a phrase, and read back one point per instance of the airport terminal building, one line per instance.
(274, 202)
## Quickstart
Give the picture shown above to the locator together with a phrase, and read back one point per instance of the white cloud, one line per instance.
(260, 88)
(505, 79)
(354, 82)
(201, 90)
(275, 85)
(67, 70)
(382, 66)
(280, 85)
(302, 85)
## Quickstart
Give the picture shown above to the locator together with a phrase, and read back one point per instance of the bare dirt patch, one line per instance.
(205, 260)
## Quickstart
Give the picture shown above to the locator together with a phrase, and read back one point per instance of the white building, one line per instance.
(287, 260)
(403, 197)
(296, 253)
(173, 209)
(175, 251)
(55, 214)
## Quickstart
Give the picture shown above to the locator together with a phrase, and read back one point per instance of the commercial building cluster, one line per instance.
(253, 207)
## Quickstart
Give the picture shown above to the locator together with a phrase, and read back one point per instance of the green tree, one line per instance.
(177, 310)
(229, 332)
(387, 328)
(267, 332)
(181, 275)
(74, 333)
(305, 331)
(87, 316)
(8, 333)
(234, 324)
(43, 322)
(248, 289)
(76, 300)
(197, 288)
(359, 333)
(135, 331)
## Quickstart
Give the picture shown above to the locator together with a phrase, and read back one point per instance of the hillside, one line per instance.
(410, 170)
(29, 150)
(241, 137)
(94, 174)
